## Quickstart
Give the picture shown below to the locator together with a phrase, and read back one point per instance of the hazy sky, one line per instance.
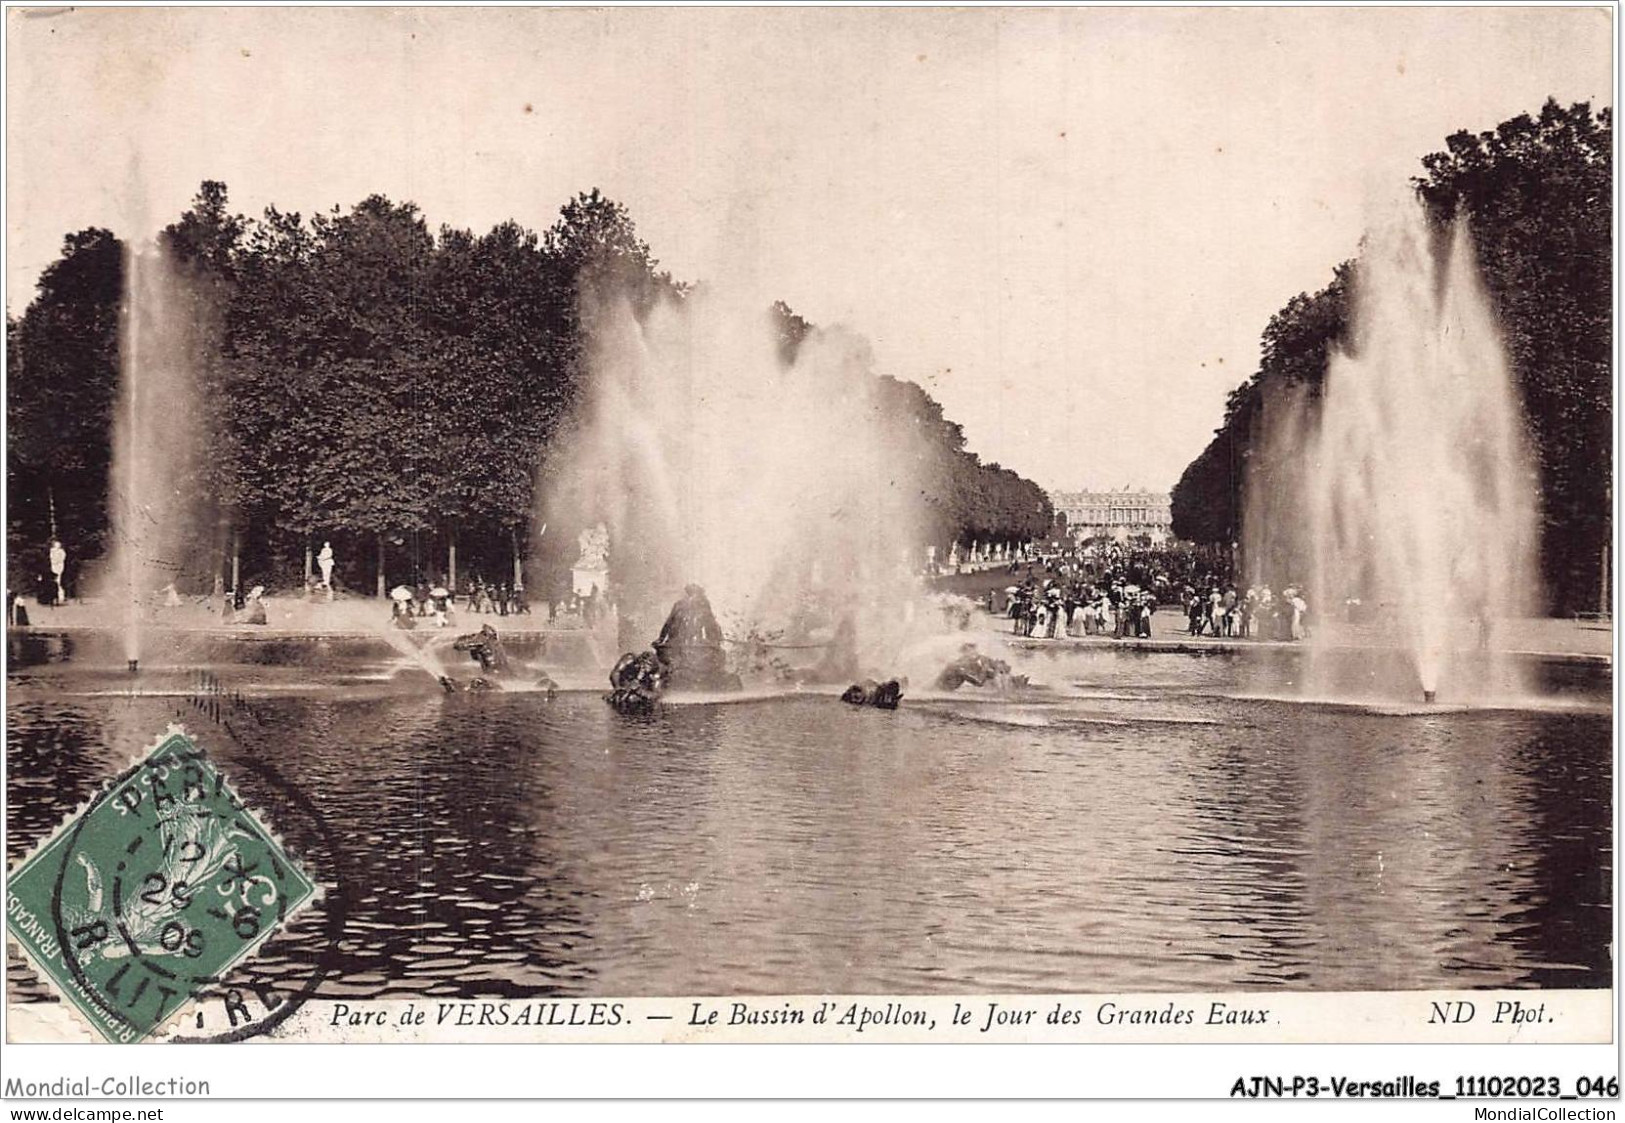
(1069, 225)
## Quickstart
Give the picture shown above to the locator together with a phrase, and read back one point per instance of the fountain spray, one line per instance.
(156, 509)
(773, 482)
(131, 491)
(1408, 483)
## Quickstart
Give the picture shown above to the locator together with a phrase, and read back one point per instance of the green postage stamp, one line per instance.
(155, 889)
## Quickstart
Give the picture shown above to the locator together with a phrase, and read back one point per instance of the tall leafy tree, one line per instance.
(62, 386)
(201, 252)
(1537, 193)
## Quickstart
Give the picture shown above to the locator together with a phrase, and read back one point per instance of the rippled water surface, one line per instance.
(1141, 822)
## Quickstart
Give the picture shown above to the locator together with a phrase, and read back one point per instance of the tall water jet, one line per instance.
(1410, 478)
(715, 456)
(155, 495)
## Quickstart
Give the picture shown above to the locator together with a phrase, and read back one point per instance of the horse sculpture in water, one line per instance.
(881, 695)
(485, 648)
(976, 669)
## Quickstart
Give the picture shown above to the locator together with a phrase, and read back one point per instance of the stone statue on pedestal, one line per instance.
(59, 565)
(325, 560)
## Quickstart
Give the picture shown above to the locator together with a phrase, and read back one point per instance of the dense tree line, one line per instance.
(1209, 499)
(1537, 193)
(962, 499)
(370, 381)
(62, 375)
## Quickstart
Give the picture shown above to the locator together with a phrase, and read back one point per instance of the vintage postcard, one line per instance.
(822, 525)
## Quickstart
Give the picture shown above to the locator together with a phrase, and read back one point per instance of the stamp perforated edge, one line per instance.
(71, 820)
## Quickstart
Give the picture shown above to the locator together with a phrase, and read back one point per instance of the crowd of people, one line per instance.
(423, 601)
(1099, 589)
(1056, 609)
(1114, 589)
(1259, 613)
(410, 604)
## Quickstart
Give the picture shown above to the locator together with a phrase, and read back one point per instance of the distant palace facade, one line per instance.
(1119, 515)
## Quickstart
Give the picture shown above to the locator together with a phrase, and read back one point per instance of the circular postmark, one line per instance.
(165, 888)
(233, 1017)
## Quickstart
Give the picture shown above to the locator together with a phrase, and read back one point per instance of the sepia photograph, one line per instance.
(847, 525)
